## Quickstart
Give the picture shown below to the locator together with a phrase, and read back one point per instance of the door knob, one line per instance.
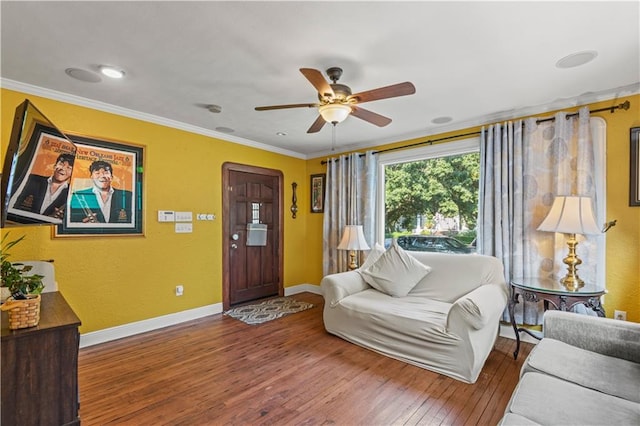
(234, 246)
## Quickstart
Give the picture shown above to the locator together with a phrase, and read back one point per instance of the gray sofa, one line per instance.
(585, 371)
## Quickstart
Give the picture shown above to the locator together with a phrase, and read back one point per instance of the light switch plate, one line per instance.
(184, 228)
(184, 216)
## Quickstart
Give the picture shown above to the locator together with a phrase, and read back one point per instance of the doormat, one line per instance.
(268, 310)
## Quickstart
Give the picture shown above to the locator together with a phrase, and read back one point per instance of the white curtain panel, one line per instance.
(523, 168)
(349, 200)
(562, 162)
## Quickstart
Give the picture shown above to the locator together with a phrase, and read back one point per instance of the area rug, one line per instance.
(268, 310)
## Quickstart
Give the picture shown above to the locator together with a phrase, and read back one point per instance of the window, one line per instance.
(410, 200)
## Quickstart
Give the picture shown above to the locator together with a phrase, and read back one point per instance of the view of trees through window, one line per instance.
(437, 196)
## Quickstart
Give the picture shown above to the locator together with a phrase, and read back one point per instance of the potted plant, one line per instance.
(24, 290)
(13, 275)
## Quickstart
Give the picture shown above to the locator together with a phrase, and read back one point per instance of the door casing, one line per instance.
(227, 167)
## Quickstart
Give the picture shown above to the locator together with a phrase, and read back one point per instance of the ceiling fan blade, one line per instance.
(400, 89)
(317, 125)
(316, 78)
(371, 117)
(267, 108)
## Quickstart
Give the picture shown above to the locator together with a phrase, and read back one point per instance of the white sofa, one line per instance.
(448, 322)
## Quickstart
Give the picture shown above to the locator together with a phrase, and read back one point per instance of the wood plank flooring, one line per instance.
(220, 371)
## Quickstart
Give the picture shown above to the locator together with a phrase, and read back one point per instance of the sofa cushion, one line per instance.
(375, 253)
(511, 419)
(613, 376)
(418, 312)
(548, 400)
(454, 275)
(395, 272)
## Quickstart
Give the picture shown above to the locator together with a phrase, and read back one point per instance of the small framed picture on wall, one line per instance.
(317, 192)
(634, 168)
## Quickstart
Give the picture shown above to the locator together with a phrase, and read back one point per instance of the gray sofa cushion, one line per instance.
(550, 401)
(511, 419)
(606, 336)
(613, 376)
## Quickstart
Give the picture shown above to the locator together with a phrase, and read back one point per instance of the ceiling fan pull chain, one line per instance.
(333, 137)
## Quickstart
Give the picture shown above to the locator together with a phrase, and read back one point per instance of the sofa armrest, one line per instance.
(482, 306)
(336, 287)
(620, 339)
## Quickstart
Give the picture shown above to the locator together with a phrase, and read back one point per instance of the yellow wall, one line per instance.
(111, 281)
(623, 241)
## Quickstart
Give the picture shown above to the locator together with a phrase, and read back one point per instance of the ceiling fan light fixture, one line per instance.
(334, 113)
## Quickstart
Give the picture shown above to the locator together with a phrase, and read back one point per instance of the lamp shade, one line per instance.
(570, 215)
(334, 113)
(353, 239)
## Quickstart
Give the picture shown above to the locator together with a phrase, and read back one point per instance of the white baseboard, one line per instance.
(301, 288)
(131, 329)
(506, 330)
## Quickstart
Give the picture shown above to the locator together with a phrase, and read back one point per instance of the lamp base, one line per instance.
(352, 260)
(572, 281)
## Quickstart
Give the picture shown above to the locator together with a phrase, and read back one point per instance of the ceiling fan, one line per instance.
(336, 102)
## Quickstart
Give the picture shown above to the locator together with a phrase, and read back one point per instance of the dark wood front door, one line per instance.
(251, 195)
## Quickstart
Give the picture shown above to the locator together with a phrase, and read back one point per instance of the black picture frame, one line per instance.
(39, 158)
(316, 191)
(86, 216)
(634, 168)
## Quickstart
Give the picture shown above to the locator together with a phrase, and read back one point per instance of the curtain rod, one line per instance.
(625, 105)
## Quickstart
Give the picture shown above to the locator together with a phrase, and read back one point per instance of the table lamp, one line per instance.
(353, 240)
(571, 215)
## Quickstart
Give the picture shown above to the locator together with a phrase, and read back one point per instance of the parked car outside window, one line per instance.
(435, 243)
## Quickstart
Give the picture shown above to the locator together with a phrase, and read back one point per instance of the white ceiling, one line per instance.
(476, 62)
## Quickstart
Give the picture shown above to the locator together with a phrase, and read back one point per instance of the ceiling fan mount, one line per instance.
(341, 92)
(334, 73)
(343, 101)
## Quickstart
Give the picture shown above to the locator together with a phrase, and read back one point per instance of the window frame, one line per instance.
(428, 152)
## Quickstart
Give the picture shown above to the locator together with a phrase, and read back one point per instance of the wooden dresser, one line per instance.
(40, 367)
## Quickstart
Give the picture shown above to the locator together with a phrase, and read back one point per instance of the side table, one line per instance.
(40, 367)
(554, 295)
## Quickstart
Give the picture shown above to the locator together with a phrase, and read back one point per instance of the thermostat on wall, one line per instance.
(166, 216)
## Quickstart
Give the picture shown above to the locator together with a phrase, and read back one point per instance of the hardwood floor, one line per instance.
(218, 370)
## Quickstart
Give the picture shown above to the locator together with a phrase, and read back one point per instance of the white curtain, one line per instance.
(522, 170)
(349, 200)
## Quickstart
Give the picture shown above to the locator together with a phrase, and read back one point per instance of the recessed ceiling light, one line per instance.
(441, 120)
(214, 108)
(577, 59)
(281, 134)
(111, 72)
(225, 129)
(83, 75)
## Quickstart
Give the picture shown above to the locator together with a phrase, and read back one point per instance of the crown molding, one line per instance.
(113, 109)
(587, 98)
(488, 119)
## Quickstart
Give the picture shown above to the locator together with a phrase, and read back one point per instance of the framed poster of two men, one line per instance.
(82, 186)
